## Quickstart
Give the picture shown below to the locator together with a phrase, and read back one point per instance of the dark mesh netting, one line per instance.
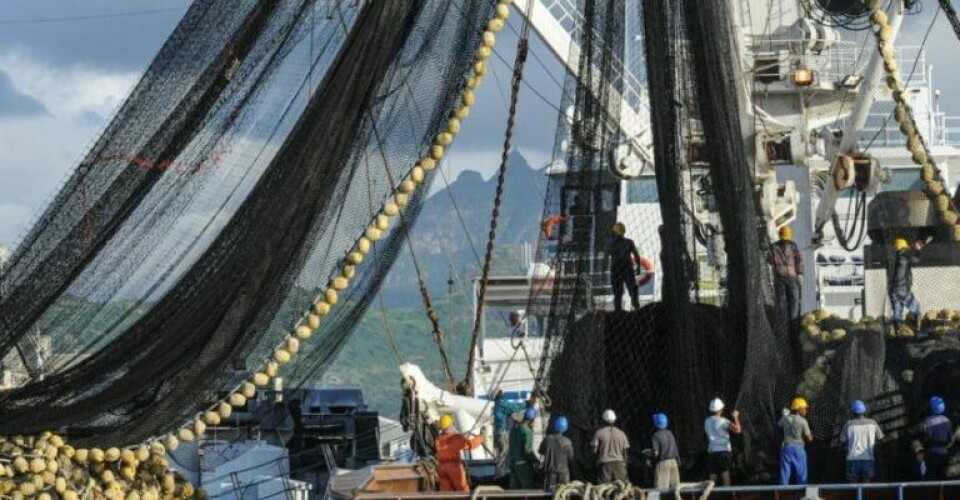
(229, 187)
(693, 218)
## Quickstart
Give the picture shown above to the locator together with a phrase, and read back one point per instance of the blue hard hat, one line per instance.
(937, 405)
(858, 407)
(561, 425)
(530, 414)
(660, 420)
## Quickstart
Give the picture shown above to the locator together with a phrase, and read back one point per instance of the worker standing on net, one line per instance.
(900, 282)
(623, 257)
(502, 410)
(522, 458)
(719, 451)
(666, 454)
(937, 431)
(788, 272)
(557, 452)
(449, 445)
(861, 435)
(796, 433)
(610, 446)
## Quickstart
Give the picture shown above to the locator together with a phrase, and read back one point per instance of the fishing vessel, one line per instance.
(167, 315)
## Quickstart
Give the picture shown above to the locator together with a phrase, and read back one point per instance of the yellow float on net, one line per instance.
(237, 400)
(293, 345)
(281, 355)
(199, 427)
(390, 209)
(185, 434)
(261, 379)
(453, 127)
(331, 296)
(304, 331)
(339, 283)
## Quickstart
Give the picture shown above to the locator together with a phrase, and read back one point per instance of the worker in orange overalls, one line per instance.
(449, 445)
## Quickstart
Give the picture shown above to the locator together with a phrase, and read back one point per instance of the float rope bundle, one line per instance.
(310, 321)
(619, 490)
(920, 153)
(821, 328)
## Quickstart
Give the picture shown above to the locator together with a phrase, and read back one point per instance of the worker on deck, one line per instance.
(623, 257)
(900, 282)
(516, 328)
(610, 446)
(796, 433)
(665, 454)
(860, 435)
(502, 410)
(788, 272)
(719, 451)
(449, 445)
(937, 432)
(522, 458)
(557, 452)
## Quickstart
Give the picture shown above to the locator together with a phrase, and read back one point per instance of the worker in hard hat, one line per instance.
(557, 452)
(719, 451)
(788, 272)
(937, 432)
(861, 435)
(666, 455)
(796, 433)
(502, 409)
(449, 446)
(623, 257)
(610, 446)
(900, 282)
(522, 458)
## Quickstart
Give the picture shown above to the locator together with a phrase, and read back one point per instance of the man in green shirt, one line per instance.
(522, 458)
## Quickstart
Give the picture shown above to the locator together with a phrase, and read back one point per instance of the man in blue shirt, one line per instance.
(937, 431)
(502, 410)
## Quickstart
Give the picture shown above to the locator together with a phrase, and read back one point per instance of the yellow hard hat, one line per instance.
(900, 244)
(446, 421)
(798, 404)
(786, 233)
(619, 229)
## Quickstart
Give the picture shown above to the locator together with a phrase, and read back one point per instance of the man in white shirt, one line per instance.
(861, 435)
(719, 451)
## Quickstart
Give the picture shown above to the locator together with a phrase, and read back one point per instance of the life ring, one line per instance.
(645, 270)
(549, 224)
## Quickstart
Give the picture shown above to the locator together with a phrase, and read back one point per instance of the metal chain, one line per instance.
(517, 79)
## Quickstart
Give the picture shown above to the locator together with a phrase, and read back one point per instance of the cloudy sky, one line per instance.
(65, 65)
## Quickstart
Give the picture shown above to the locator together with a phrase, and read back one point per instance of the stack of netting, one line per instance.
(706, 333)
(262, 139)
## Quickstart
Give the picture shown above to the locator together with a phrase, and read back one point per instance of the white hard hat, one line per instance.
(716, 405)
(609, 416)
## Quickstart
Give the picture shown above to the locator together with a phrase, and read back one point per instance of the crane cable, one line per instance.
(517, 79)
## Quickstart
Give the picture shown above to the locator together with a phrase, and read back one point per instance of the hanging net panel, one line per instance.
(231, 184)
(705, 326)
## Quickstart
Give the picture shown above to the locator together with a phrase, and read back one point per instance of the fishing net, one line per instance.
(695, 223)
(227, 189)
